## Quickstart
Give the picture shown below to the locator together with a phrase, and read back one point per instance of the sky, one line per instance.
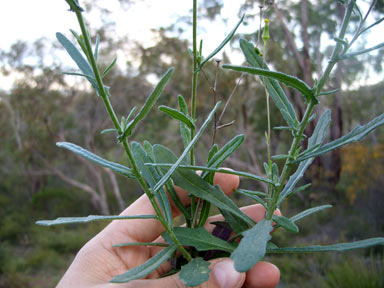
(29, 20)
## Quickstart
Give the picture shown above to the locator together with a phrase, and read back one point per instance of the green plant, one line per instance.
(156, 167)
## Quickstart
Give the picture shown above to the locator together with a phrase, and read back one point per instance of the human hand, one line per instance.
(98, 262)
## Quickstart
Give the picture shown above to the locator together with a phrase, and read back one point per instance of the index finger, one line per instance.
(147, 230)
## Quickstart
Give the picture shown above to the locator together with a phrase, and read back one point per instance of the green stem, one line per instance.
(287, 166)
(194, 93)
(338, 48)
(99, 81)
(298, 136)
(127, 149)
(194, 75)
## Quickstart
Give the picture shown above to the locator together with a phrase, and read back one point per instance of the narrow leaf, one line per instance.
(329, 92)
(253, 196)
(90, 218)
(299, 189)
(80, 41)
(194, 184)
(372, 25)
(76, 56)
(353, 54)
(90, 78)
(152, 176)
(109, 68)
(218, 170)
(185, 132)
(177, 115)
(195, 272)
(334, 247)
(109, 130)
(227, 150)
(358, 133)
(317, 138)
(281, 128)
(286, 223)
(146, 268)
(288, 80)
(96, 52)
(121, 169)
(151, 100)
(252, 247)
(308, 212)
(149, 150)
(279, 157)
(273, 87)
(222, 44)
(187, 149)
(200, 238)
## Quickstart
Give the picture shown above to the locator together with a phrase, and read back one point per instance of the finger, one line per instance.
(262, 275)
(223, 275)
(147, 230)
(256, 212)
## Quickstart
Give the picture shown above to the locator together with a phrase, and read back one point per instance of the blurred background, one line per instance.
(40, 106)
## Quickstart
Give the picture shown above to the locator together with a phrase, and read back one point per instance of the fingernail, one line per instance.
(226, 275)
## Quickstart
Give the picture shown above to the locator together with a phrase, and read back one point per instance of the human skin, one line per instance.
(98, 262)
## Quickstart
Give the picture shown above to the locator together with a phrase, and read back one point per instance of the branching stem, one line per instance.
(112, 114)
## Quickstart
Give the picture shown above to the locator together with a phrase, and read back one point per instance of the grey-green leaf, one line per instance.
(109, 68)
(90, 218)
(151, 100)
(146, 268)
(288, 80)
(273, 87)
(227, 150)
(253, 246)
(251, 195)
(177, 115)
(152, 176)
(222, 44)
(286, 223)
(121, 169)
(109, 130)
(195, 272)
(194, 184)
(76, 56)
(334, 247)
(317, 138)
(201, 239)
(187, 149)
(358, 133)
(185, 132)
(308, 212)
(219, 170)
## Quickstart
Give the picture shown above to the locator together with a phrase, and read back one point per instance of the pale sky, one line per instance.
(29, 20)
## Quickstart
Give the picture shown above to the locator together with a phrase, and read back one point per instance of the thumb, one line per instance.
(223, 275)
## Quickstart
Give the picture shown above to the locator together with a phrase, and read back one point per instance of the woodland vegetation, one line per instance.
(41, 181)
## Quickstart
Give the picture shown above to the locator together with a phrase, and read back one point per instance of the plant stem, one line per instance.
(194, 92)
(288, 165)
(127, 149)
(194, 75)
(298, 136)
(99, 81)
(338, 48)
